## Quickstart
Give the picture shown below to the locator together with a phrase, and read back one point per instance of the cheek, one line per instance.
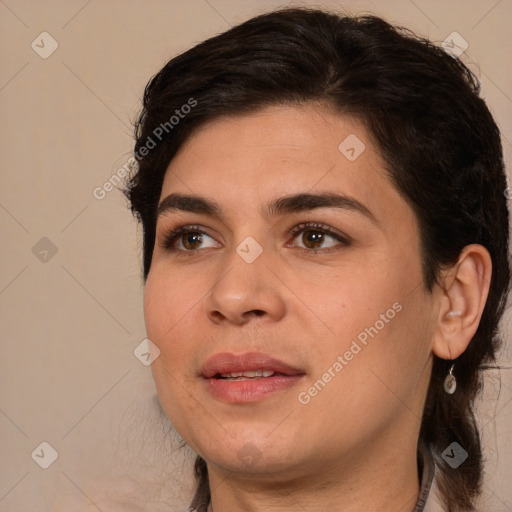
(158, 308)
(346, 301)
(170, 307)
(385, 355)
(378, 322)
(168, 302)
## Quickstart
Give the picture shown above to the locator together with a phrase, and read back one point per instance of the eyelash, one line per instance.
(170, 238)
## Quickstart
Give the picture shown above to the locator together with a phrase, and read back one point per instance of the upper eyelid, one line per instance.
(295, 229)
(325, 228)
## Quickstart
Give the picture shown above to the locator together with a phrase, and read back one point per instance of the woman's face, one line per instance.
(294, 258)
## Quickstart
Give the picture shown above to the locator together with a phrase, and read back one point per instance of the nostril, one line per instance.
(256, 312)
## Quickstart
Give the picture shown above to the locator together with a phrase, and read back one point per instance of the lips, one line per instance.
(227, 363)
(247, 378)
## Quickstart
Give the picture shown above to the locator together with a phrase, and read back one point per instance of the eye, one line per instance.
(312, 236)
(188, 239)
(317, 236)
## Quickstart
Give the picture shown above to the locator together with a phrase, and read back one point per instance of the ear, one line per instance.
(465, 290)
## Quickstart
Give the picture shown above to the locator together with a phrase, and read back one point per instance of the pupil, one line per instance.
(312, 239)
(192, 240)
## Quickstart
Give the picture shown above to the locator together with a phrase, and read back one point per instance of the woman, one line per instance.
(325, 263)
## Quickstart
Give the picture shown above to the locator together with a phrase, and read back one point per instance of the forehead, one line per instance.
(279, 151)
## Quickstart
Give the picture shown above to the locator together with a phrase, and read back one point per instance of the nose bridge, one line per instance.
(246, 288)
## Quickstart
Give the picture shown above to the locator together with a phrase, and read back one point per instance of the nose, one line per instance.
(245, 292)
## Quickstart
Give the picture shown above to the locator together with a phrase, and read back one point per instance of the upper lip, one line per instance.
(227, 362)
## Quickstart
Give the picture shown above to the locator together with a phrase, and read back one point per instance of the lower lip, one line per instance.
(251, 390)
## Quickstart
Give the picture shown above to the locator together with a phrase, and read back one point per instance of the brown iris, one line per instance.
(192, 241)
(312, 239)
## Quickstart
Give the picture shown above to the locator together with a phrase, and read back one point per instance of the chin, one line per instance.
(250, 452)
(250, 460)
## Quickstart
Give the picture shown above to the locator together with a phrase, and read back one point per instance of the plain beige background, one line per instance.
(71, 319)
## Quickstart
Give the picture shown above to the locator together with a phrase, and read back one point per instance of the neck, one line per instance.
(379, 477)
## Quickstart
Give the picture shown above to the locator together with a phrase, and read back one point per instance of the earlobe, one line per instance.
(465, 291)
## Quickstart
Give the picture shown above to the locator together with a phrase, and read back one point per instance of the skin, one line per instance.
(352, 447)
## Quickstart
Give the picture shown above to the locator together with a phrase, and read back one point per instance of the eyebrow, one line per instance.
(284, 205)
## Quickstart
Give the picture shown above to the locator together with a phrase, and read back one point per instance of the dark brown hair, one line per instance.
(438, 138)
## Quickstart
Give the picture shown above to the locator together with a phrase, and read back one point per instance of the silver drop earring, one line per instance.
(450, 382)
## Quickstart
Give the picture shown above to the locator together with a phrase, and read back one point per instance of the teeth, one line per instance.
(253, 373)
(249, 374)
